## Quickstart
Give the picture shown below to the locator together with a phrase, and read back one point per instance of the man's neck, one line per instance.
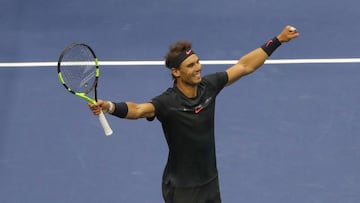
(190, 91)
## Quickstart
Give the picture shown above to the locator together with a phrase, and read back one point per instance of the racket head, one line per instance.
(78, 70)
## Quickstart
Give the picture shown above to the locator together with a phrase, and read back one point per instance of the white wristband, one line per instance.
(111, 107)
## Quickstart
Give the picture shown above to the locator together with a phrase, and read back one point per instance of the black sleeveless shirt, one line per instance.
(188, 126)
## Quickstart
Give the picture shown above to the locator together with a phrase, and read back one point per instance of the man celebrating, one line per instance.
(186, 112)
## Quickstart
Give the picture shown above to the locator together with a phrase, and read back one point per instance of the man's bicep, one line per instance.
(235, 72)
(148, 110)
(143, 110)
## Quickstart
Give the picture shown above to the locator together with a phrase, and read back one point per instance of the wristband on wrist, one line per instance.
(270, 46)
(111, 107)
(121, 110)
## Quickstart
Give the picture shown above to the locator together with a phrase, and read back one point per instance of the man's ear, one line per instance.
(175, 72)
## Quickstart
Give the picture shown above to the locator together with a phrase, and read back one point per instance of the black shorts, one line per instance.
(208, 193)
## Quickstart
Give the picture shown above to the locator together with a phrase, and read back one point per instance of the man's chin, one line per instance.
(198, 80)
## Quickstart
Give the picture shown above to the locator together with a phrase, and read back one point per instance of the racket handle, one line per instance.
(104, 123)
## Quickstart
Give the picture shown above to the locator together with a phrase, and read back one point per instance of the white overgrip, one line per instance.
(104, 123)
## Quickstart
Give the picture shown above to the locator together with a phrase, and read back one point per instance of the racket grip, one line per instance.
(104, 123)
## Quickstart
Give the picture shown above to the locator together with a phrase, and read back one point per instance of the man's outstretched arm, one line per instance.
(256, 58)
(128, 110)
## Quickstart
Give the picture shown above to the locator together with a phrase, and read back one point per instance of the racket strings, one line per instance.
(78, 68)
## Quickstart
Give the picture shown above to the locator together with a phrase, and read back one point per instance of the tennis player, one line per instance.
(186, 112)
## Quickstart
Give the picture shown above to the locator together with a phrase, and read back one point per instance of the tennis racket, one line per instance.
(78, 71)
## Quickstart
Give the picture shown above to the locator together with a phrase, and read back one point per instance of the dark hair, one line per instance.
(174, 52)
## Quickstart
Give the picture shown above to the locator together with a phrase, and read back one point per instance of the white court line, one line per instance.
(207, 62)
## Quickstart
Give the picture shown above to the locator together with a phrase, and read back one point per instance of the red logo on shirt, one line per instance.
(197, 110)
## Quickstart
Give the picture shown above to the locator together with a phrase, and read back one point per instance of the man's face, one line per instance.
(189, 72)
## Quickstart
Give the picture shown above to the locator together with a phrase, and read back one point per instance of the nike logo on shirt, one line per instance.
(197, 110)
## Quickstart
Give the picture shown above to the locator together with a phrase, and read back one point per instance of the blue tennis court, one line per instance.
(287, 133)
